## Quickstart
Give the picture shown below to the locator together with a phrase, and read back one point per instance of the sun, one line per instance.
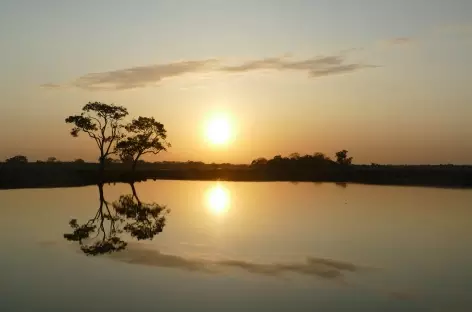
(218, 130)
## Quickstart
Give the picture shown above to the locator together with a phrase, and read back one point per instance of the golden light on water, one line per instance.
(218, 130)
(218, 199)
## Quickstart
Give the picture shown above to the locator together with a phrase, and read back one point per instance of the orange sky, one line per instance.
(292, 77)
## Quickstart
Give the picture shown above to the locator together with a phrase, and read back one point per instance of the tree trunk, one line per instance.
(101, 169)
(135, 162)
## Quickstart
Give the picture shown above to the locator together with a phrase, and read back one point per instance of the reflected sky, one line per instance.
(278, 244)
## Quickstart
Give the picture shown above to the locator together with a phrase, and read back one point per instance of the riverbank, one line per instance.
(72, 175)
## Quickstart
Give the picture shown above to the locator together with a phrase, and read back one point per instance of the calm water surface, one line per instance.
(243, 247)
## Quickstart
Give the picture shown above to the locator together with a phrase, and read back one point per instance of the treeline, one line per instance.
(316, 160)
(112, 164)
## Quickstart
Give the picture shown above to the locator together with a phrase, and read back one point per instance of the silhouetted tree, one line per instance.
(259, 162)
(295, 162)
(103, 123)
(126, 159)
(18, 159)
(51, 160)
(79, 161)
(146, 135)
(294, 156)
(342, 159)
(321, 156)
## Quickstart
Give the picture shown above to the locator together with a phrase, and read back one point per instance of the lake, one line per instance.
(229, 246)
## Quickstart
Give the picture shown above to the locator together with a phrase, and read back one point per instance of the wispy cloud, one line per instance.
(51, 86)
(144, 76)
(400, 41)
(455, 29)
(315, 67)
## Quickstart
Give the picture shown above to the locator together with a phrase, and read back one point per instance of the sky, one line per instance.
(390, 81)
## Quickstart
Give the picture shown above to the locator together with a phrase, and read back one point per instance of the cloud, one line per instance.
(455, 29)
(51, 86)
(314, 267)
(400, 41)
(315, 67)
(144, 76)
(141, 76)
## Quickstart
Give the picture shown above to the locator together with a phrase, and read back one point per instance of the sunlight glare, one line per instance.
(218, 130)
(218, 199)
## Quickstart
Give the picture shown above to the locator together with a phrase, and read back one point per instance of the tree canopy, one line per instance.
(342, 159)
(103, 123)
(145, 135)
(18, 159)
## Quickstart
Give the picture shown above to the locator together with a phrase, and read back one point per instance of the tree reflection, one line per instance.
(145, 220)
(341, 184)
(102, 233)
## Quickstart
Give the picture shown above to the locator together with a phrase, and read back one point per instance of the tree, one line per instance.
(18, 159)
(259, 162)
(146, 135)
(103, 123)
(342, 159)
(320, 156)
(126, 159)
(79, 161)
(294, 156)
(52, 160)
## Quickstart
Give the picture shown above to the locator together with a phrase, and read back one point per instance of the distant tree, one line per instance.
(52, 160)
(294, 156)
(145, 135)
(259, 161)
(342, 159)
(18, 159)
(79, 161)
(103, 123)
(320, 156)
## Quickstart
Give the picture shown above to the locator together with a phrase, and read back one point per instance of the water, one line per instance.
(243, 247)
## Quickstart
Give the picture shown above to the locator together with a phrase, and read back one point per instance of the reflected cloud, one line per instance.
(102, 233)
(218, 199)
(314, 267)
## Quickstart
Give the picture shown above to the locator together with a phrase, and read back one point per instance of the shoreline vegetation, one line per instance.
(122, 142)
(71, 174)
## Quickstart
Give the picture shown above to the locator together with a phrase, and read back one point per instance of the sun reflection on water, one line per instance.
(218, 200)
